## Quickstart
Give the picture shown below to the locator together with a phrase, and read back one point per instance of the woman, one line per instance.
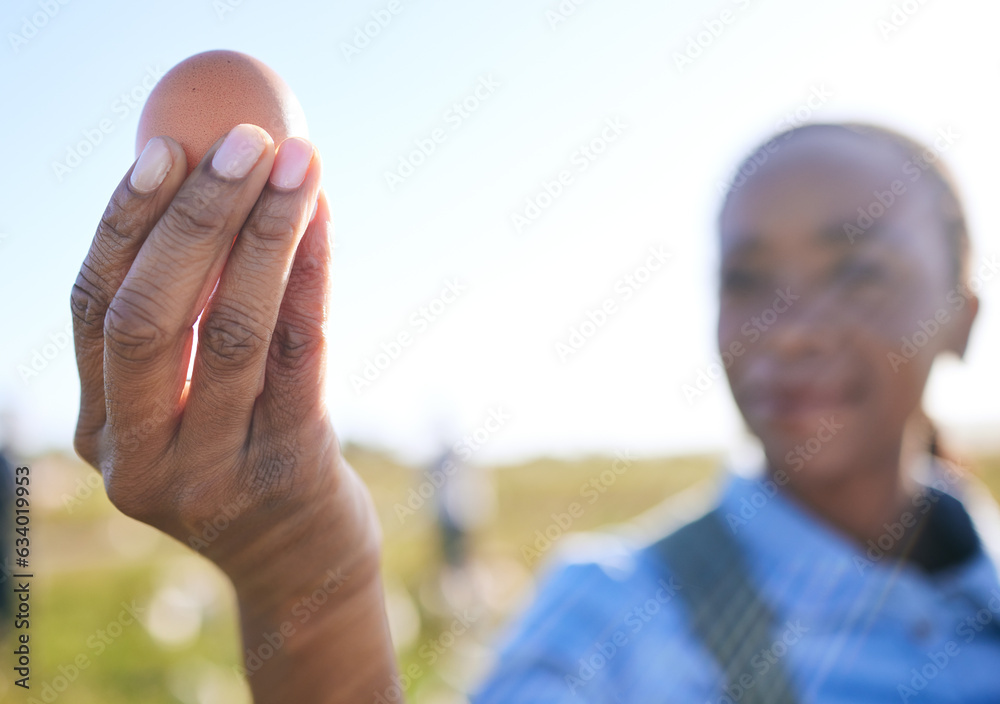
(832, 577)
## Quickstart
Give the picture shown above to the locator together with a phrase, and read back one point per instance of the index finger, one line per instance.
(139, 201)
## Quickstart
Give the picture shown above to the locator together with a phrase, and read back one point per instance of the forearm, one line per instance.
(312, 616)
(339, 652)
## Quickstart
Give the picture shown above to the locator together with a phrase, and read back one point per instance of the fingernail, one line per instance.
(291, 163)
(242, 149)
(152, 166)
(315, 210)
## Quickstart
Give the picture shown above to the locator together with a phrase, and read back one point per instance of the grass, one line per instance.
(90, 560)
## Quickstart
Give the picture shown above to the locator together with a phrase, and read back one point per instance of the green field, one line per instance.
(90, 561)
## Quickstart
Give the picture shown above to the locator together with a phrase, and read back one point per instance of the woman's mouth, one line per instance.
(793, 405)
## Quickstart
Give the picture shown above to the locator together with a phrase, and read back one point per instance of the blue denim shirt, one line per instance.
(850, 625)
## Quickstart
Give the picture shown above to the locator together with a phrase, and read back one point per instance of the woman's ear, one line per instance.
(961, 327)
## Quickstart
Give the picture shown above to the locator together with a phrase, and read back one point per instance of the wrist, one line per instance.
(311, 608)
(331, 544)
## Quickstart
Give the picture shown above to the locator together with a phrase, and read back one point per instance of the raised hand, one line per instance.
(247, 443)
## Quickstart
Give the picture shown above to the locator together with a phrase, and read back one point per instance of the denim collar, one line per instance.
(791, 550)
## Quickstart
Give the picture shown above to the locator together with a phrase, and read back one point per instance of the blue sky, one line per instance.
(593, 91)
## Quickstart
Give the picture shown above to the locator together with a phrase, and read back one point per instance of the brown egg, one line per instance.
(206, 95)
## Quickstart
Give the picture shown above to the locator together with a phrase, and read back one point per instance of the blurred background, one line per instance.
(649, 105)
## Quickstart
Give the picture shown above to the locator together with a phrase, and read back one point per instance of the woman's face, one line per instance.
(832, 329)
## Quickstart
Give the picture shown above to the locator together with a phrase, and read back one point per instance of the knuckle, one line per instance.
(195, 215)
(272, 475)
(295, 343)
(89, 299)
(311, 274)
(131, 332)
(121, 222)
(113, 230)
(231, 338)
(273, 228)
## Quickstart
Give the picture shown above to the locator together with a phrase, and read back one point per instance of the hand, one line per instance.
(241, 462)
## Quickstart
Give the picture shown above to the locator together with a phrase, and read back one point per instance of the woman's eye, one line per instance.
(860, 273)
(741, 281)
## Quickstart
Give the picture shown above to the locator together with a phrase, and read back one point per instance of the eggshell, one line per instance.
(206, 95)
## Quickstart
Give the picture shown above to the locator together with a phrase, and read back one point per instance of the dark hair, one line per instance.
(936, 178)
